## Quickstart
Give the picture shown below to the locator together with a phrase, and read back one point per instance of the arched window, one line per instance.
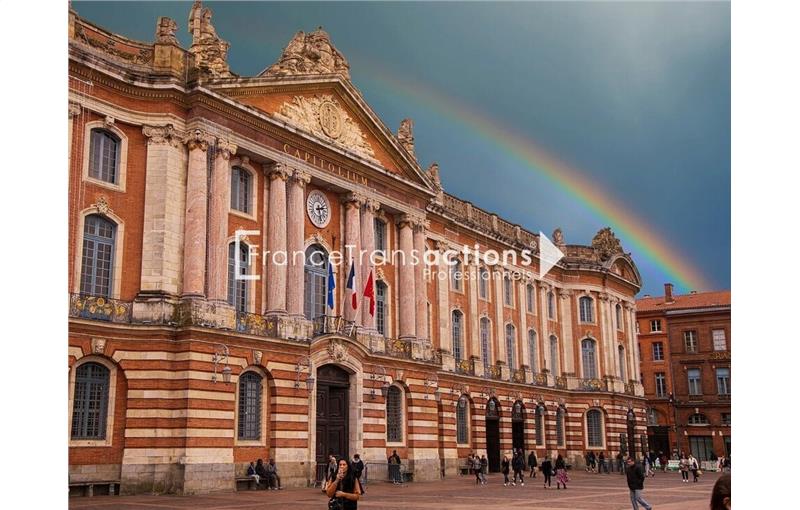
(588, 357)
(98, 256)
(551, 306)
(485, 354)
(539, 425)
(508, 291)
(394, 415)
(458, 352)
(594, 428)
(560, 427)
(456, 276)
(511, 346)
(553, 355)
(462, 429)
(620, 323)
(532, 351)
(250, 388)
(316, 281)
(586, 309)
(380, 307)
(237, 287)
(90, 402)
(531, 295)
(621, 352)
(698, 419)
(483, 283)
(241, 189)
(104, 156)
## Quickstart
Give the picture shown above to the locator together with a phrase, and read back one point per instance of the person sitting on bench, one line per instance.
(274, 481)
(251, 472)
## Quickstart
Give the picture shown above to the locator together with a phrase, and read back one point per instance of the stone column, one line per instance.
(218, 222)
(606, 343)
(499, 322)
(407, 295)
(566, 330)
(544, 331)
(194, 242)
(522, 335)
(295, 239)
(371, 206)
(352, 252)
(443, 302)
(474, 320)
(633, 345)
(420, 288)
(278, 173)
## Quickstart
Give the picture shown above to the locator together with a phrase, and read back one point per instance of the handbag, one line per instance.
(335, 504)
(699, 472)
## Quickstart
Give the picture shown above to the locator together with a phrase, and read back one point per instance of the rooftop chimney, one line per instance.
(668, 293)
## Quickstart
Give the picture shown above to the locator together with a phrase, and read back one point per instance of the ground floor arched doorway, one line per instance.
(333, 386)
(518, 426)
(493, 435)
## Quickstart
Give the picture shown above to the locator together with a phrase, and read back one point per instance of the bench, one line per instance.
(246, 481)
(94, 487)
(407, 475)
(464, 469)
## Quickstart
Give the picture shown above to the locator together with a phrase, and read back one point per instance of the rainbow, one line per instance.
(642, 239)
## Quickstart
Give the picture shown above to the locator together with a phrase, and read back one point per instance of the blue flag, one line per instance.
(331, 285)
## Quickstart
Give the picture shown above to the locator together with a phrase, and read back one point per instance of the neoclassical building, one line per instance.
(195, 348)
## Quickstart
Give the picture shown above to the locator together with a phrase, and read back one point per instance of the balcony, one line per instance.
(592, 385)
(333, 325)
(540, 379)
(398, 348)
(465, 367)
(561, 382)
(518, 376)
(255, 324)
(99, 308)
(494, 372)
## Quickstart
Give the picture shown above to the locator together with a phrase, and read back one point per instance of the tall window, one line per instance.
(462, 430)
(693, 375)
(241, 187)
(316, 282)
(485, 342)
(698, 419)
(534, 362)
(621, 351)
(98, 255)
(723, 381)
(720, 342)
(104, 156)
(594, 428)
(483, 283)
(530, 294)
(250, 406)
(586, 309)
(237, 287)
(661, 384)
(588, 357)
(553, 355)
(560, 427)
(690, 341)
(551, 306)
(539, 425)
(658, 351)
(618, 309)
(394, 415)
(508, 291)
(90, 402)
(725, 419)
(456, 275)
(511, 346)
(655, 325)
(458, 352)
(380, 307)
(380, 235)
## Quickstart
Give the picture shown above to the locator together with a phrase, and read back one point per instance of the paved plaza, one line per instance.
(586, 492)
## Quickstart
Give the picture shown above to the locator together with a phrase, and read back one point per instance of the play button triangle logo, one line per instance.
(549, 255)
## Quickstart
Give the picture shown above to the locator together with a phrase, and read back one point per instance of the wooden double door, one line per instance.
(332, 413)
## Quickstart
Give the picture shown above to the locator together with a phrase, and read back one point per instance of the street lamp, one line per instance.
(381, 378)
(304, 365)
(219, 354)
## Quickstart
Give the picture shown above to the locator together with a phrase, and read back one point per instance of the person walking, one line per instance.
(394, 468)
(476, 466)
(620, 462)
(684, 467)
(344, 488)
(602, 466)
(358, 468)
(561, 472)
(532, 464)
(484, 466)
(694, 467)
(518, 464)
(547, 470)
(504, 468)
(635, 476)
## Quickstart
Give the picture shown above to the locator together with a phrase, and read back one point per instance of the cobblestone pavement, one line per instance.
(586, 492)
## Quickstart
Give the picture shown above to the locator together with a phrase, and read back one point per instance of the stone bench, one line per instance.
(94, 487)
(247, 482)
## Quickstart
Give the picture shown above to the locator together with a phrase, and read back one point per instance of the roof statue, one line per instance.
(165, 31)
(405, 135)
(433, 174)
(606, 243)
(558, 237)
(311, 53)
(210, 52)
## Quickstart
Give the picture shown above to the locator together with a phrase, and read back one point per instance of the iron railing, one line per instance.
(592, 385)
(398, 348)
(334, 325)
(539, 379)
(561, 382)
(255, 324)
(518, 375)
(494, 372)
(465, 367)
(99, 308)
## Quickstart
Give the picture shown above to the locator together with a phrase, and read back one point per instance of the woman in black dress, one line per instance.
(345, 486)
(504, 467)
(547, 470)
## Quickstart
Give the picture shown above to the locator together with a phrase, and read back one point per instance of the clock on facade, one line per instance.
(318, 208)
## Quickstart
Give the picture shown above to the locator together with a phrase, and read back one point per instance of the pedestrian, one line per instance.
(561, 472)
(648, 471)
(547, 470)
(721, 494)
(694, 467)
(532, 464)
(518, 464)
(344, 488)
(635, 476)
(251, 473)
(504, 468)
(620, 461)
(484, 466)
(592, 462)
(394, 468)
(358, 468)
(684, 467)
(476, 467)
(602, 466)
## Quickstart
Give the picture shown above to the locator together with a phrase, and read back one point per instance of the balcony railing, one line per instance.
(255, 324)
(518, 375)
(592, 385)
(539, 379)
(398, 348)
(561, 382)
(466, 367)
(99, 308)
(494, 372)
(334, 325)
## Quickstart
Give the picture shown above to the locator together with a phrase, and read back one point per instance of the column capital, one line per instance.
(198, 139)
(74, 109)
(603, 296)
(353, 199)
(414, 220)
(300, 178)
(158, 135)
(371, 205)
(564, 293)
(225, 148)
(629, 306)
(277, 171)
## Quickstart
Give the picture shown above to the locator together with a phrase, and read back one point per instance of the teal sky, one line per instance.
(634, 95)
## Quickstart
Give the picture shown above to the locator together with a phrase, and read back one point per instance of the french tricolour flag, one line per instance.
(351, 286)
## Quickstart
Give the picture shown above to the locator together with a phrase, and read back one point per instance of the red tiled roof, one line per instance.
(686, 301)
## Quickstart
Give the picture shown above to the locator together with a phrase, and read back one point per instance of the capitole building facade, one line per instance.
(194, 350)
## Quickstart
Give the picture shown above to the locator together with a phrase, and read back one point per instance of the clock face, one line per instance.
(318, 208)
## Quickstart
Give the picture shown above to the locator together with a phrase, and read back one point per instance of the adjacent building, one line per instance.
(194, 347)
(685, 347)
